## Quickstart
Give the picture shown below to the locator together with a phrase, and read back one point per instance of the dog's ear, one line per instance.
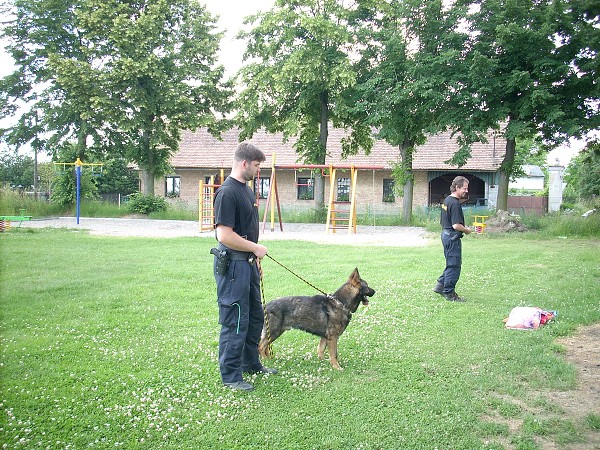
(355, 275)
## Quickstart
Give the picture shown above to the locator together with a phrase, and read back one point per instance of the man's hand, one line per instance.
(462, 228)
(260, 251)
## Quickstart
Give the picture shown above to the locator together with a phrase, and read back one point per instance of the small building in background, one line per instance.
(532, 180)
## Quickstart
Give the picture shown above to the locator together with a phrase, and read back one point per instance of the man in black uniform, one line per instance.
(236, 271)
(453, 227)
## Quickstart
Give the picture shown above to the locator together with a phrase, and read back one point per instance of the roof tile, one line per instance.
(201, 149)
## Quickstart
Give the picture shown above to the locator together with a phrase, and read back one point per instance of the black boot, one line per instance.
(453, 297)
(439, 288)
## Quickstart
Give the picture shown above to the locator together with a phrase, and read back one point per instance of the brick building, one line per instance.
(202, 156)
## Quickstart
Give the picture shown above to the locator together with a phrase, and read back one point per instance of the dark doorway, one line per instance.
(439, 189)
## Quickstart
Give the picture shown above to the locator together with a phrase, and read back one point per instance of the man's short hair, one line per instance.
(248, 152)
(458, 182)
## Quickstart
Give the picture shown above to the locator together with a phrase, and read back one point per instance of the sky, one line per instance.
(231, 14)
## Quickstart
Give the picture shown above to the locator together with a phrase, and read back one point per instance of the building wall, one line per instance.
(369, 189)
(420, 190)
(529, 183)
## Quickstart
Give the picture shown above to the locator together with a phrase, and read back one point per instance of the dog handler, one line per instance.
(453, 227)
(236, 271)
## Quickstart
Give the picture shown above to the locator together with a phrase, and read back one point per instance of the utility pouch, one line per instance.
(222, 260)
(456, 235)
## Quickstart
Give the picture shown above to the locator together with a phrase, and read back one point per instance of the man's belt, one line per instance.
(235, 255)
(453, 233)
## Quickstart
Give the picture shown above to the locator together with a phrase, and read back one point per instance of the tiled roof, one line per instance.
(200, 149)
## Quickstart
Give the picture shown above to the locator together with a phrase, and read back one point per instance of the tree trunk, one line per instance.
(82, 136)
(406, 151)
(504, 174)
(407, 201)
(147, 173)
(35, 171)
(323, 134)
(147, 182)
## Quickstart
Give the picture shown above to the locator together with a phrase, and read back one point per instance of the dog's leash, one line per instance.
(264, 303)
(298, 276)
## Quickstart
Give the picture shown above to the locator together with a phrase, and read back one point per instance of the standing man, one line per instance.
(453, 227)
(236, 271)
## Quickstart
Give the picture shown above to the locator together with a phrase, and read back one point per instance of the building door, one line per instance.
(439, 189)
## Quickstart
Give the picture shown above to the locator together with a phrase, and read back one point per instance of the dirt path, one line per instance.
(583, 351)
(365, 235)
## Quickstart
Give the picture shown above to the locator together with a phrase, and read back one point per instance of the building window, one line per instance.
(263, 185)
(306, 189)
(172, 186)
(343, 189)
(388, 190)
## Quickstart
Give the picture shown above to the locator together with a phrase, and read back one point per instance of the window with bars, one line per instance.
(388, 190)
(263, 185)
(306, 189)
(343, 189)
(172, 186)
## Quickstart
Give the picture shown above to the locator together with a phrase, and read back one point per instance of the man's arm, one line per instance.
(229, 238)
(461, 227)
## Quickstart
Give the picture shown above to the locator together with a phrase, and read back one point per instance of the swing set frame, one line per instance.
(341, 215)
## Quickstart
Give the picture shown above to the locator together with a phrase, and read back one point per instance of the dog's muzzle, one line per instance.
(365, 296)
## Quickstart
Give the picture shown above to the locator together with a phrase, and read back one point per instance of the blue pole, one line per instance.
(78, 172)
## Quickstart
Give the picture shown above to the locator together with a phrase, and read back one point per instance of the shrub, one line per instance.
(64, 188)
(146, 204)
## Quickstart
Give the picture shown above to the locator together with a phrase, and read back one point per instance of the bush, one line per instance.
(146, 204)
(64, 188)
(15, 204)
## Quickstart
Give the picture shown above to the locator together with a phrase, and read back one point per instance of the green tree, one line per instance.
(123, 77)
(64, 181)
(412, 50)
(583, 175)
(15, 170)
(160, 75)
(46, 109)
(302, 77)
(531, 69)
(117, 177)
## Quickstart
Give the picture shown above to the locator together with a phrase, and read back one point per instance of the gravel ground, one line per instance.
(365, 235)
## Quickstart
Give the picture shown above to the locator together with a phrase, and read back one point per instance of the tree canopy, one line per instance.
(412, 54)
(583, 175)
(126, 77)
(301, 75)
(530, 70)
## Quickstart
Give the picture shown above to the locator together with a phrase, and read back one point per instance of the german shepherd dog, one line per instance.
(326, 316)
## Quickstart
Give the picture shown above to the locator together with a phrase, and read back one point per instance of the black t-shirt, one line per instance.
(452, 213)
(235, 207)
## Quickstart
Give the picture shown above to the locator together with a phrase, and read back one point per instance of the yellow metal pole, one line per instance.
(330, 213)
(272, 192)
(352, 218)
(201, 204)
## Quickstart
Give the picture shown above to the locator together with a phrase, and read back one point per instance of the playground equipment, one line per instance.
(206, 199)
(341, 214)
(479, 223)
(5, 221)
(96, 169)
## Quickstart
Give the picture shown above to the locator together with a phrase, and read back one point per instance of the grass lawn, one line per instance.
(112, 343)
